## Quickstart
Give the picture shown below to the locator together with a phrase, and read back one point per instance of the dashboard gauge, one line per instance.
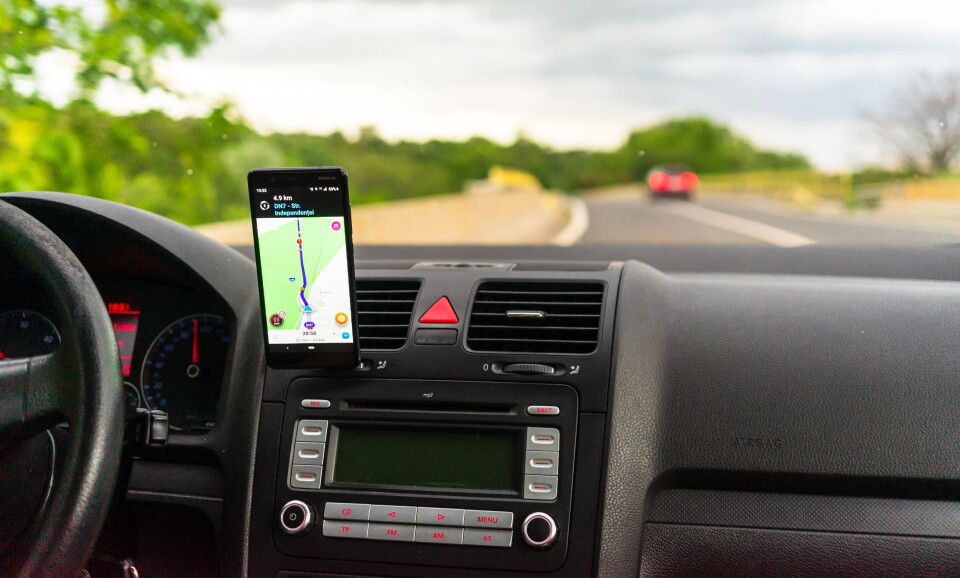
(26, 333)
(131, 398)
(183, 371)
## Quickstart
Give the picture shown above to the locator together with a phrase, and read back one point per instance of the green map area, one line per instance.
(283, 276)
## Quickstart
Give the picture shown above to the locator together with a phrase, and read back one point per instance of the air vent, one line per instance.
(384, 311)
(540, 317)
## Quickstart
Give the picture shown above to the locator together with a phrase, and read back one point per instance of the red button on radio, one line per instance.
(440, 516)
(543, 410)
(337, 529)
(434, 535)
(340, 511)
(488, 519)
(315, 403)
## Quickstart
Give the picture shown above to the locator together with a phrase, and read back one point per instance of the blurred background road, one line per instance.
(628, 215)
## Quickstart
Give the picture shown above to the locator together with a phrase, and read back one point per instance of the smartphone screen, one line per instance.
(302, 237)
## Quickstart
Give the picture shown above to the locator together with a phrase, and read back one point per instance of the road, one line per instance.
(628, 216)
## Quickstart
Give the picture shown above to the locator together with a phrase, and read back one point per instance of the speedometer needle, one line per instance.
(196, 345)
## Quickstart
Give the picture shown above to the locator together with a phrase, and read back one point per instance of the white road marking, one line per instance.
(739, 225)
(577, 225)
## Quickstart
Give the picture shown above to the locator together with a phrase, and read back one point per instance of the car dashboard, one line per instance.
(607, 411)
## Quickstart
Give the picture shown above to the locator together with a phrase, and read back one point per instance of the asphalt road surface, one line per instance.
(630, 217)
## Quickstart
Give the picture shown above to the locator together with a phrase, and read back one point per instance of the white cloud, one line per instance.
(790, 74)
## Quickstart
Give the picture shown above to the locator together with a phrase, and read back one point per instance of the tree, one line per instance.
(921, 123)
(702, 144)
(118, 39)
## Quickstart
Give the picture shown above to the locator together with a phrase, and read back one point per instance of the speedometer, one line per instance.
(26, 334)
(183, 371)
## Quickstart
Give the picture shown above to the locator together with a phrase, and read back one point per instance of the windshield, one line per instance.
(774, 122)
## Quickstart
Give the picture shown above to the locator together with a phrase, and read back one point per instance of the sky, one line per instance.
(791, 75)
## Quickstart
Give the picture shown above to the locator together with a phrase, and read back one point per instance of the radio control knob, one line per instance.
(296, 517)
(539, 530)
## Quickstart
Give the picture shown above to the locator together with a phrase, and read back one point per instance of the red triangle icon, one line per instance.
(392, 514)
(440, 312)
(440, 516)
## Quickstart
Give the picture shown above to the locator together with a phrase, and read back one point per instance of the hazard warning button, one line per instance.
(440, 312)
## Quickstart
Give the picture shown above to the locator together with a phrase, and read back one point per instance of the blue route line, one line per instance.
(303, 270)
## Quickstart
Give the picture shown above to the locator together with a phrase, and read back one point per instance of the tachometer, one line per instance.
(26, 334)
(183, 371)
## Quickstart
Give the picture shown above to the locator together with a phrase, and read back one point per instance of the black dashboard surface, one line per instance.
(796, 375)
(939, 263)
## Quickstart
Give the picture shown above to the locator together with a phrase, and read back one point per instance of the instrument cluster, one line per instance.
(173, 345)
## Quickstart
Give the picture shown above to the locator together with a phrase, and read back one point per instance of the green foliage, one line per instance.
(703, 145)
(117, 39)
(880, 175)
(194, 169)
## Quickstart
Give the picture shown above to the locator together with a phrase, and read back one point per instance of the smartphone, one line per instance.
(302, 235)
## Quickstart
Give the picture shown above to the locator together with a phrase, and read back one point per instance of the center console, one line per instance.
(403, 472)
(438, 459)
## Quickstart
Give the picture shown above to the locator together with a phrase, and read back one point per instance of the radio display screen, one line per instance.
(426, 458)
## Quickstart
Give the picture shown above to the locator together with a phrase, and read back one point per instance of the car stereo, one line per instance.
(437, 472)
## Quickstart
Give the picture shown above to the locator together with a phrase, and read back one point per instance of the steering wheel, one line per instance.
(80, 384)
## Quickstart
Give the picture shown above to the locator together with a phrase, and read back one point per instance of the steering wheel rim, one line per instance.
(80, 383)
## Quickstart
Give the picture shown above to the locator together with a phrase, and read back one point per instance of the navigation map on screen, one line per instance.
(305, 279)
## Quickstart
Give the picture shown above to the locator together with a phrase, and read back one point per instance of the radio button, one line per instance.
(539, 530)
(391, 532)
(343, 511)
(306, 477)
(394, 514)
(438, 535)
(543, 439)
(488, 519)
(296, 517)
(435, 337)
(540, 487)
(338, 529)
(308, 454)
(543, 410)
(312, 430)
(439, 516)
(495, 538)
(542, 463)
(315, 403)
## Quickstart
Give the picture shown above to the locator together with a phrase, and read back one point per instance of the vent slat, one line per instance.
(553, 316)
(512, 340)
(570, 323)
(538, 327)
(519, 303)
(380, 300)
(535, 292)
(378, 313)
(384, 312)
(548, 308)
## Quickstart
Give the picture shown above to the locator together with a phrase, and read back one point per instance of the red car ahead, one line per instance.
(672, 181)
